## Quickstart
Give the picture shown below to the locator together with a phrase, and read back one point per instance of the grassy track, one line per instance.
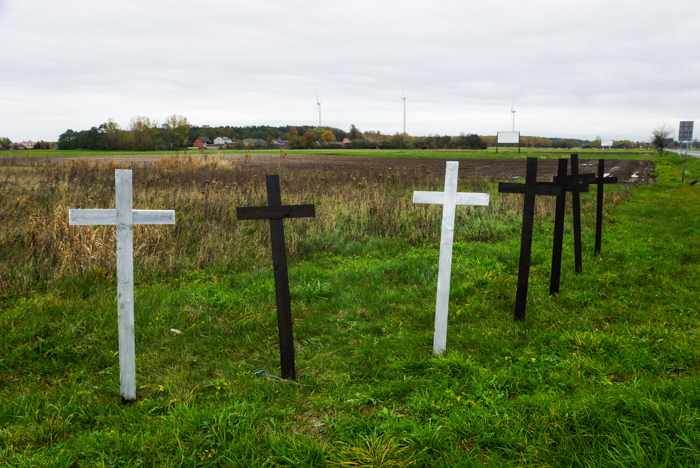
(605, 374)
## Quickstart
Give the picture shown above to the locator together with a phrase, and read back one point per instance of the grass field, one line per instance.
(604, 374)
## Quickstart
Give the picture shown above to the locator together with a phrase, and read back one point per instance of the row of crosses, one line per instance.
(124, 218)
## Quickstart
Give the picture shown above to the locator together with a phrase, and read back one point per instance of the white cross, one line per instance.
(124, 218)
(449, 199)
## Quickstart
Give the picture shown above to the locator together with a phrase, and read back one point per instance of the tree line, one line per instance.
(176, 133)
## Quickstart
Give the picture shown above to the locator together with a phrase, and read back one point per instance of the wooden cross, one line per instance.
(124, 217)
(531, 188)
(601, 180)
(276, 213)
(449, 199)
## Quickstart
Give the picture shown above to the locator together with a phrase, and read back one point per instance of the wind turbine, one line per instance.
(404, 110)
(512, 111)
(318, 104)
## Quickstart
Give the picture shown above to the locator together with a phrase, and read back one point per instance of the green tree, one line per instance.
(5, 143)
(142, 133)
(112, 135)
(175, 131)
(318, 131)
(355, 134)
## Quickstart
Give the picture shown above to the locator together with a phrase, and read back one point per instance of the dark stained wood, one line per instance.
(576, 202)
(526, 237)
(600, 181)
(276, 213)
(542, 188)
(559, 214)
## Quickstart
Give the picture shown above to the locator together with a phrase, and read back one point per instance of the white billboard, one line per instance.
(508, 137)
(606, 144)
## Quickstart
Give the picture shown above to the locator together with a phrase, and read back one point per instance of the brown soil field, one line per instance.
(627, 171)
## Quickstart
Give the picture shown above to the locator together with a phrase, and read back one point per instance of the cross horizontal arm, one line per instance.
(90, 217)
(541, 188)
(436, 198)
(109, 217)
(276, 212)
(607, 180)
(570, 186)
(154, 217)
(582, 178)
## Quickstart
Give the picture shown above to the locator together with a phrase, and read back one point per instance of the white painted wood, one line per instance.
(463, 198)
(124, 217)
(154, 217)
(125, 285)
(449, 199)
(109, 217)
(89, 217)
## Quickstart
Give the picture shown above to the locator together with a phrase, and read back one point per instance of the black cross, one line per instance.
(601, 181)
(275, 212)
(531, 188)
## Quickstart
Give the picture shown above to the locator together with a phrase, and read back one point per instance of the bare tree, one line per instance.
(661, 138)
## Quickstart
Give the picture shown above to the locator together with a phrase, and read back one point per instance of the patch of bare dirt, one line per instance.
(627, 171)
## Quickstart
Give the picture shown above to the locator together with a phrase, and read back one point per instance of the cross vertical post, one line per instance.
(279, 265)
(124, 218)
(526, 238)
(576, 202)
(125, 283)
(276, 213)
(560, 212)
(449, 199)
(601, 180)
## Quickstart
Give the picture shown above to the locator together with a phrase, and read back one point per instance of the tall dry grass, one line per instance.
(38, 247)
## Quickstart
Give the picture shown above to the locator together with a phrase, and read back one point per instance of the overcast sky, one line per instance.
(613, 68)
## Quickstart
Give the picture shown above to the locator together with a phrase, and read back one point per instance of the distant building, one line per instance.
(223, 141)
(202, 142)
(28, 144)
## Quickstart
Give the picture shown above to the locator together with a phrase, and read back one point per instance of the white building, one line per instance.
(223, 141)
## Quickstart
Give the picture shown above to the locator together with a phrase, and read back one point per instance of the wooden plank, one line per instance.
(526, 237)
(599, 207)
(557, 246)
(442, 301)
(81, 217)
(125, 285)
(582, 179)
(463, 198)
(275, 212)
(541, 188)
(576, 202)
(153, 217)
(279, 262)
(568, 186)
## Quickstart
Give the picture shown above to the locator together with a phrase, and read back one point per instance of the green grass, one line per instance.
(604, 374)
